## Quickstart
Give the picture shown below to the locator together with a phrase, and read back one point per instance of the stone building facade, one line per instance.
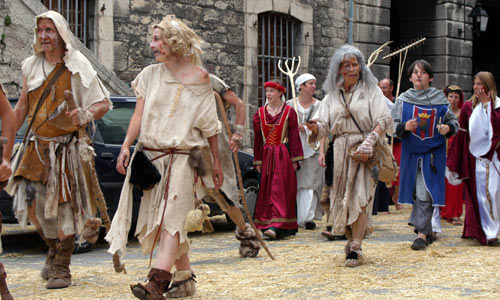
(119, 35)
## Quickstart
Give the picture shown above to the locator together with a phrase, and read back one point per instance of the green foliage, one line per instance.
(7, 21)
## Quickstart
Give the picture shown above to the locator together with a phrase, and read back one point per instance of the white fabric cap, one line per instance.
(302, 79)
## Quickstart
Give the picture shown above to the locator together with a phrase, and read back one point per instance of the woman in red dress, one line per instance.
(452, 211)
(274, 124)
(474, 158)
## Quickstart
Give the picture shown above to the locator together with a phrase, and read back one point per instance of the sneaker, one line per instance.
(419, 244)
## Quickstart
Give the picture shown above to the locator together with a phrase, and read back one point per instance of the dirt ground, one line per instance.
(307, 266)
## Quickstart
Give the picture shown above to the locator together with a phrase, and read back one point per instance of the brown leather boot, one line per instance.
(158, 281)
(60, 276)
(49, 261)
(183, 285)
(4, 290)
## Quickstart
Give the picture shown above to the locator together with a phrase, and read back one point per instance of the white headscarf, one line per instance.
(303, 79)
(74, 60)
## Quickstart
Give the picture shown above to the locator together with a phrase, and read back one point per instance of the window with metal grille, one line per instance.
(278, 39)
(75, 12)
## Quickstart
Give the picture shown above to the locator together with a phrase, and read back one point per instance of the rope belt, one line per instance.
(165, 152)
(66, 145)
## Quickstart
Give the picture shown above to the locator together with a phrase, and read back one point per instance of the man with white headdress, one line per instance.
(310, 174)
(54, 183)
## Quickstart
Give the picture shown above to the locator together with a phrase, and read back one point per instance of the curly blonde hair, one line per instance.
(183, 41)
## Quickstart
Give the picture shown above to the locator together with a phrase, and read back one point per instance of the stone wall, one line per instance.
(449, 39)
(330, 32)
(371, 30)
(17, 41)
(219, 23)
(121, 33)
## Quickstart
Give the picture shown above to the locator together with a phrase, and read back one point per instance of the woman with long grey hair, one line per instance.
(355, 113)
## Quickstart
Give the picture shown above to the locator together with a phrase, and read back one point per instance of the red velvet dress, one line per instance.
(461, 161)
(276, 202)
(454, 200)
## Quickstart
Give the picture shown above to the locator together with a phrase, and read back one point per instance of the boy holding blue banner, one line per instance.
(423, 122)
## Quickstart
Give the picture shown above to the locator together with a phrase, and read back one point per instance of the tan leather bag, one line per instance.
(384, 158)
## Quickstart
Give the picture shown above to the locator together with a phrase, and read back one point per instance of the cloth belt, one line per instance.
(165, 152)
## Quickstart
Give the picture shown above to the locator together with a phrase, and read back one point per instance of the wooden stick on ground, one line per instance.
(238, 174)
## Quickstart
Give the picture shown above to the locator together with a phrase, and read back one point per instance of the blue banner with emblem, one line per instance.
(425, 145)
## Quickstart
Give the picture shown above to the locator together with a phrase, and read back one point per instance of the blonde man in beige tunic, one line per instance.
(54, 183)
(351, 87)
(175, 113)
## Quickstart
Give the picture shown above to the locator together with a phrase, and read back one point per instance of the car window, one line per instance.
(22, 131)
(113, 126)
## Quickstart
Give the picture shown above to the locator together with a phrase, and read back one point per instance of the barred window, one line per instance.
(278, 39)
(75, 12)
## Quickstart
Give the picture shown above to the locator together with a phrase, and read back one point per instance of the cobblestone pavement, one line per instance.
(307, 266)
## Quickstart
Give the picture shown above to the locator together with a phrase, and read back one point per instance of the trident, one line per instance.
(291, 73)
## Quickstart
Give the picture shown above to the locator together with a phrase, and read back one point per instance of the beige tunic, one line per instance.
(177, 116)
(353, 186)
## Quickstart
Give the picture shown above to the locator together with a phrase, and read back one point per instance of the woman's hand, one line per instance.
(411, 125)
(301, 128)
(258, 168)
(365, 150)
(483, 96)
(295, 165)
(321, 159)
(123, 160)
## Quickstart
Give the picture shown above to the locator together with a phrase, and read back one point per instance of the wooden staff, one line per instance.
(100, 202)
(238, 174)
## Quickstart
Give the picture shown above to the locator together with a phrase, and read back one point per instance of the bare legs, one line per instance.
(168, 251)
(359, 228)
(354, 255)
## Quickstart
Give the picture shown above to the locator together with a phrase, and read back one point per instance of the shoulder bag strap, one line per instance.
(352, 117)
(44, 96)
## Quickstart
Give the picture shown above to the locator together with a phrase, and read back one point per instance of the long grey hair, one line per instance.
(334, 79)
